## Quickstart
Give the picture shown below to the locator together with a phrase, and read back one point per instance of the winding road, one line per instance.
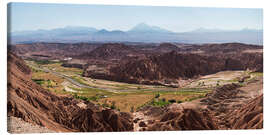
(74, 82)
(80, 85)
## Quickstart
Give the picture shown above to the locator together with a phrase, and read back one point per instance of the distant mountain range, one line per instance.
(139, 33)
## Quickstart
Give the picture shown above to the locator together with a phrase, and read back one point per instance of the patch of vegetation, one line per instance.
(80, 97)
(184, 91)
(92, 91)
(157, 95)
(91, 98)
(79, 80)
(49, 84)
(179, 101)
(113, 105)
(45, 62)
(156, 101)
(159, 102)
(39, 81)
(35, 70)
(179, 96)
(172, 101)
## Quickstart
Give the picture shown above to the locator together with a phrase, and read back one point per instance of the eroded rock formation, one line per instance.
(34, 104)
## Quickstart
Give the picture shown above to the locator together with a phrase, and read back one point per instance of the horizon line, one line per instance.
(205, 28)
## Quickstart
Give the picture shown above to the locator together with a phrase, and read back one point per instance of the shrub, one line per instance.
(113, 105)
(45, 62)
(75, 95)
(203, 84)
(105, 105)
(93, 98)
(179, 101)
(83, 98)
(163, 99)
(157, 95)
(80, 97)
(39, 81)
(218, 83)
(160, 103)
(172, 101)
(49, 84)
(132, 109)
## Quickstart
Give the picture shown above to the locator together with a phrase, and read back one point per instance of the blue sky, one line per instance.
(33, 16)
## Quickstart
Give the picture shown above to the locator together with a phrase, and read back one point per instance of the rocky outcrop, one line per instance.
(169, 67)
(51, 50)
(235, 108)
(166, 47)
(228, 107)
(250, 116)
(224, 48)
(174, 117)
(110, 51)
(225, 108)
(158, 69)
(227, 47)
(34, 104)
(185, 119)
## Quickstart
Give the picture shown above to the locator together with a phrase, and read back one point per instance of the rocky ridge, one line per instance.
(36, 105)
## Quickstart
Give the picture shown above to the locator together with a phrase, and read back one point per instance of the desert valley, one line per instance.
(79, 87)
(125, 68)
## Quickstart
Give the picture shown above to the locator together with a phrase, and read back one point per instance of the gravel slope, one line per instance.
(17, 125)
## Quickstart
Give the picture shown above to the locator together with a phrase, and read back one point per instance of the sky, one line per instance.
(34, 16)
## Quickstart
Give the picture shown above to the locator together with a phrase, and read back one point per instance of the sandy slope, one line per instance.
(17, 125)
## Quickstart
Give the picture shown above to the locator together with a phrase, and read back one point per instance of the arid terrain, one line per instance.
(82, 87)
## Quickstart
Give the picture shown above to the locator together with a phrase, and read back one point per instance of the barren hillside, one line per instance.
(27, 100)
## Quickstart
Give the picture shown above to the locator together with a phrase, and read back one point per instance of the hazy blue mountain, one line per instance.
(106, 32)
(139, 33)
(243, 36)
(58, 31)
(144, 28)
(105, 35)
(205, 30)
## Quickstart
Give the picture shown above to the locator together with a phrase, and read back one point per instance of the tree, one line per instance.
(179, 101)
(113, 105)
(217, 83)
(132, 109)
(163, 99)
(157, 95)
(172, 100)
(203, 84)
